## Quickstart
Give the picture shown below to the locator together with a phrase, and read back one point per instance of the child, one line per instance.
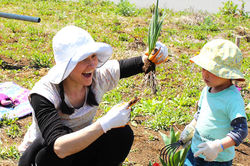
(220, 122)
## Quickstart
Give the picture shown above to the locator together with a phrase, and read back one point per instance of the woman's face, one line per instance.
(83, 72)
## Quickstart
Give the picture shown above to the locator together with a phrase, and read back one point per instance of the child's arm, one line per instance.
(227, 142)
(188, 133)
(239, 131)
(211, 149)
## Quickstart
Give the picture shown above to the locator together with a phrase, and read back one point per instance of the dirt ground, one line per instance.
(146, 147)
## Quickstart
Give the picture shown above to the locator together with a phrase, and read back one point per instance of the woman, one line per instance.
(65, 102)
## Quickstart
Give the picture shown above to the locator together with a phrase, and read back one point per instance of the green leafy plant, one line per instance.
(153, 34)
(154, 28)
(13, 131)
(209, 24)
(9, 152)
(248, 112)
(126, 9)
(5, 121)
(163, 112)
(230, 8)
(242, 10)
(41, 60)
(179, 157)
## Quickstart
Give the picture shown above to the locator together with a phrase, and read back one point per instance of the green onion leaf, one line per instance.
(154, 29)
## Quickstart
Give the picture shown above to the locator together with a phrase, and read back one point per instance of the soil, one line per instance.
(146, 147)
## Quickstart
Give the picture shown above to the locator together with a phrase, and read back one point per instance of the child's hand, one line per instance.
(187, 135)
(209, 149)
(159, 54)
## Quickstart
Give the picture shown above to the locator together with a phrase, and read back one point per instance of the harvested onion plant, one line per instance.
(153, 34)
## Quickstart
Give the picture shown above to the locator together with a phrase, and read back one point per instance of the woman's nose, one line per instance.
(93, 62)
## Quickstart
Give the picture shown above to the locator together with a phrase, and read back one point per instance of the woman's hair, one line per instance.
(91, 100)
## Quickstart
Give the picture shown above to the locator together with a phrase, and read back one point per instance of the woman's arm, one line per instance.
(76, 141)
(60, 138)
(131, 66)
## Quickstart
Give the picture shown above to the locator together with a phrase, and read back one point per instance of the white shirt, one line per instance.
(105, 78)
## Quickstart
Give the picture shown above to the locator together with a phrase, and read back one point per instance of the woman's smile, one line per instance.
(87, 75)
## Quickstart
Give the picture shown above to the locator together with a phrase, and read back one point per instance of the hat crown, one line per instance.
(223, 53)
(222, 58)
(68, 41)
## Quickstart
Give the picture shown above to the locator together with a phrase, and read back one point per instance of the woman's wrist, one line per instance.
(144, 58)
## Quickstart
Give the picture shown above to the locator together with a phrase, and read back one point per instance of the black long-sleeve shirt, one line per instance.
(46, 114)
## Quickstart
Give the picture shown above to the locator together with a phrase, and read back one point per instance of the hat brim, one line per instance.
(61, 71)
(216, 69)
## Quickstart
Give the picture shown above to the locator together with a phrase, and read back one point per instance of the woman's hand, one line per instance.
(118, 116)
(159, 54)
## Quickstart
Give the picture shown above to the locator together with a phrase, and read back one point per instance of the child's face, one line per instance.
(213, 81)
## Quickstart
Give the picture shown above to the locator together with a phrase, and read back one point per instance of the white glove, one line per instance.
(187, 135)
(209, 149)
(161, 54)
(117, 116)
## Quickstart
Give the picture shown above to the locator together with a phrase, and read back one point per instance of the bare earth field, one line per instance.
(146, 147)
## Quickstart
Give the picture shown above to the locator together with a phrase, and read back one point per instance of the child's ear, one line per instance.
(5, 102)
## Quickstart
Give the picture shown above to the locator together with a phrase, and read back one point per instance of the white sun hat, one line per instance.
(222, 58)
(71, 45)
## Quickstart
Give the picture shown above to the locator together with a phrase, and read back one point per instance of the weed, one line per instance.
(5, 121)
(242, 10)
(248, 112)
(229, 8)
(41, 60)
(123, 37)
(10, 152)
(178, 157)
(13, 131)
(125, 8)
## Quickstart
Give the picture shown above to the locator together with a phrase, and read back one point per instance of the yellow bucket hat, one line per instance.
(222, 58)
